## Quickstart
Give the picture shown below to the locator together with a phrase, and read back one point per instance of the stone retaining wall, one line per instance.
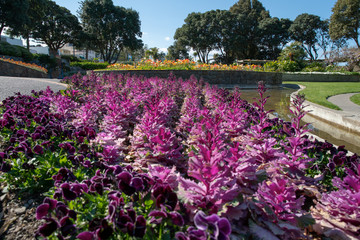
(14, 70)
(243, 79)
(319, 77)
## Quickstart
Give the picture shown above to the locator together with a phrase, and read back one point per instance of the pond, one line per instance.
(279, 101)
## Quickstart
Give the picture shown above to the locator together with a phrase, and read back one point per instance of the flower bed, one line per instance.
(181, 65)
(122, 157)
(24, 64)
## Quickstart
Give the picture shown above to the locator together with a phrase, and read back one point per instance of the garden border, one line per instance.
(222, 78)
(14, 70)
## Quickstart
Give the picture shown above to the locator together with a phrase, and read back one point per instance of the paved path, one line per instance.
(343, 101)
(11, 85)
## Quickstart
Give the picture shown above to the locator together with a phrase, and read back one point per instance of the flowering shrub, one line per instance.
(123, 157)
(185, 64)
(24, 64)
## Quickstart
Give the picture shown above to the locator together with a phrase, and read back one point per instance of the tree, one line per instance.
(274, 35)
(345, 20)
(196, 34)
(34, 15)
(153, 52)
(305, 29)
(112, 27)
(57, 28)
(177, 51)
(13, 13)
(293, 52)
(225, 28)
(250, 13)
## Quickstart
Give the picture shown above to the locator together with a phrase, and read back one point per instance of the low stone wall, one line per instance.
(319, 77)
(14, 70)
(228, 79)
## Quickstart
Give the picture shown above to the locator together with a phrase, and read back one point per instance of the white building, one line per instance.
(69, 49)
(39, 50)
(12, 41)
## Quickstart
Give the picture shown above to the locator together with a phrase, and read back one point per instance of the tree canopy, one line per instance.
(345, 20)
(13, 13)
(244, 31)
(112, 28)
(34, 14)
(177, 51)
(305, 29)
(196, 34)
(57, 28)
(250, 13)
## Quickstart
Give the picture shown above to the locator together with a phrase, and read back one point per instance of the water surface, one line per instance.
(279, 101)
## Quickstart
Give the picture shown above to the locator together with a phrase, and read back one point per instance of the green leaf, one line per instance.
(305, 220)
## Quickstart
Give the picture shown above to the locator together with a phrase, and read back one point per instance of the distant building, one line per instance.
(39, 49)
(12, 41)
(69, 49)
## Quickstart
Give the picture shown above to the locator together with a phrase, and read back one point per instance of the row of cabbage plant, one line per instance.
(120, 157)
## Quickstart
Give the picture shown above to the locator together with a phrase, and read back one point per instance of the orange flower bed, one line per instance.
(24, 64)
(185, 64)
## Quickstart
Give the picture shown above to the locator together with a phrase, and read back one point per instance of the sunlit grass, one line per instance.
(355, 99)
(319, 92)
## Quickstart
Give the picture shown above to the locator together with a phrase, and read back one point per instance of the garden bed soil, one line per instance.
(17, 216)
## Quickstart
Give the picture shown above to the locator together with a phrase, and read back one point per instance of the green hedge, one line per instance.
(15, 51)
(89, 65)
(71, 58)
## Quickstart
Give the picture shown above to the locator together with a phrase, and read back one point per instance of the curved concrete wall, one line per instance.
(346, 120)
(14, 70)
(243, 79)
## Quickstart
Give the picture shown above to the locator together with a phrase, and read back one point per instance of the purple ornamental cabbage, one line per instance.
(279, 195)
(340, 210)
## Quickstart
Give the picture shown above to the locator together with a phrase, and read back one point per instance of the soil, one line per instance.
(17, 216)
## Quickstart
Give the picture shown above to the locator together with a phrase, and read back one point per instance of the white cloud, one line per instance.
(167, 39)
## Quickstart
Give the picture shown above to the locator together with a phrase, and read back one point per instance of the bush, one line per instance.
(314, 67)
(86, 65)
(282, 66)
(334, 68)
(45, 61)
(272, 66)
(15, 51)
(71, 58)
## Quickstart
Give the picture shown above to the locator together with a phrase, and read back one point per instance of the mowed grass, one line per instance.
(355, 99)
(318, 92)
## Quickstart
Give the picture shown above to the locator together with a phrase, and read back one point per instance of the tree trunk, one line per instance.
(357, 42)
(28, 43)
(2, 28)
(52, 52)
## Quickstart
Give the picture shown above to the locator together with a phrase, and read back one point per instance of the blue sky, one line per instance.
(161, 18)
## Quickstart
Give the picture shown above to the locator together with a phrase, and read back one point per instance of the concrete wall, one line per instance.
(244, 79)
(319, 77)
(9, 69)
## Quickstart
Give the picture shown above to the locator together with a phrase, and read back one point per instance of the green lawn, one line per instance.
(356, 99)
(318, 92)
